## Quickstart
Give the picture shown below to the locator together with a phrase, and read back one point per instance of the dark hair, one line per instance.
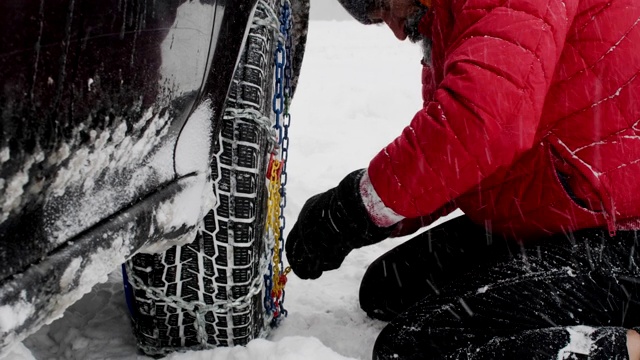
(359, 9)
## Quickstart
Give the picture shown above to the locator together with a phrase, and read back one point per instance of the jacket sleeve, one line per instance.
(485, 112)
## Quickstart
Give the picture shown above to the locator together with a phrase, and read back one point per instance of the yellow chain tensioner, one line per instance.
(273, 225)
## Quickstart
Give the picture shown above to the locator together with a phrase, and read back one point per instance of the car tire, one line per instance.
(210, 292)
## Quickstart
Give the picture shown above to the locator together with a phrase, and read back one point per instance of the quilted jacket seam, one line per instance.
(487, 10)
(467, 106)
(566, 78)
(608, 172)
(617, 135)
(609, 97)
(524, 92)
(462, 39)
(483, 66)
(604, 56)
(592, 19)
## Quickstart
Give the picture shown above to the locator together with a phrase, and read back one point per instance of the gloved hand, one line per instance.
(330, 225)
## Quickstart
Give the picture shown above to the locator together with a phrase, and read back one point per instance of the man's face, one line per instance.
(402, 17)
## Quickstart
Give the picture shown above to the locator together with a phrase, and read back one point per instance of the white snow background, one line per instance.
(359, 87)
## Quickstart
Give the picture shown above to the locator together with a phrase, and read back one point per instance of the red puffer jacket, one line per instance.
(531, 121)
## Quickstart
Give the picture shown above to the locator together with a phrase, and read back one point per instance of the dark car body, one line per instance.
(96, 102)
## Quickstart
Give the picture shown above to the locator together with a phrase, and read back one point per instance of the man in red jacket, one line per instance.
(531, 126)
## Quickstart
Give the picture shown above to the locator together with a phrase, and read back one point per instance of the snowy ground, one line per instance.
(359, 87)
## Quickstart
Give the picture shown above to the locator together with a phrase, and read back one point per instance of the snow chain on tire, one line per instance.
(210, 293)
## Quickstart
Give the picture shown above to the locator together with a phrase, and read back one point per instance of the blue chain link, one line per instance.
(278, 96)
(284, 145)
(281, 100)
(269, 305)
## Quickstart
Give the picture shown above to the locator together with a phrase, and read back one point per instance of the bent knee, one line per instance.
(399, 342)
(376, 298)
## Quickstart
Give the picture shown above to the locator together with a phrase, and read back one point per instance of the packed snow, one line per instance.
(14, 316)
(359, 87)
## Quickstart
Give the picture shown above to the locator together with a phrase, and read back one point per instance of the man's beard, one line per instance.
(414, 35)
(412, 22)
(426, 50)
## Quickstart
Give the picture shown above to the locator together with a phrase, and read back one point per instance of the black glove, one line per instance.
(330, 225)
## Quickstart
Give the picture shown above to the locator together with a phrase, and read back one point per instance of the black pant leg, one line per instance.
(518, 307)
(571, 342)
(422, 265)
